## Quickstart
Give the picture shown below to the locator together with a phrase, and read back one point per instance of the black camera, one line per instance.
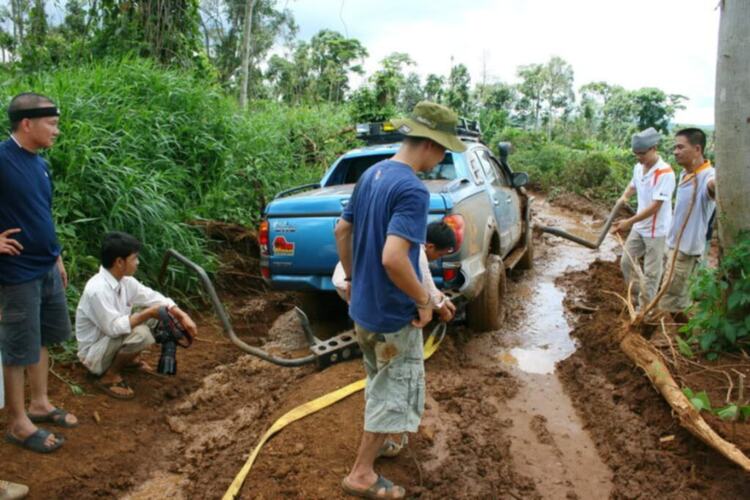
(170, 334)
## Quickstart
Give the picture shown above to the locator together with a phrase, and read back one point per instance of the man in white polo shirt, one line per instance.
(689, 150)
(654, 181)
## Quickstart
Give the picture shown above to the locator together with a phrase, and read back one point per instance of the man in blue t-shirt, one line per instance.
(378, 240)
(33, 308)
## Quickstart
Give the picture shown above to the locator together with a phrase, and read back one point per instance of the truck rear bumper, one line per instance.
(311, 283)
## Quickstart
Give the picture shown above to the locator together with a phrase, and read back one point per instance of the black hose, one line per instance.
(581, 241)
(224, 317)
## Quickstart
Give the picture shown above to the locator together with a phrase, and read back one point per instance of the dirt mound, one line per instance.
(650, 454)
(238, 256)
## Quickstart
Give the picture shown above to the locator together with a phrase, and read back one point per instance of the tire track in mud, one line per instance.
(549, 442)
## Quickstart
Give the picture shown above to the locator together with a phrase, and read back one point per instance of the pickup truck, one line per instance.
(475, 193)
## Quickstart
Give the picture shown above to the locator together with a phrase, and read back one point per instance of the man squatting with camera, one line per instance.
(110, 335)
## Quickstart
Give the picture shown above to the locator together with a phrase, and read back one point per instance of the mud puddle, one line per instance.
(548, 441)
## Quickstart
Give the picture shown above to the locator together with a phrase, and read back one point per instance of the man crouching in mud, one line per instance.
(378, 240)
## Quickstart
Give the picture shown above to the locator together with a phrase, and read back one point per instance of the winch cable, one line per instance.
(576, 239)
(302, 411)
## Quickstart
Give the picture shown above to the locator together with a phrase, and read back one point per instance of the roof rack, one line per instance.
(386, 133)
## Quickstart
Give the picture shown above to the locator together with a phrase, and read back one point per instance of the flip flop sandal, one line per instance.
(56, 417)
(389, 489)
(11, 490)
(107, 389)
(138, 368)
(35, 442)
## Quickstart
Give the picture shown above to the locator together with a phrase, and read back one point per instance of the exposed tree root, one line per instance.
(651, 361)
(646, 357)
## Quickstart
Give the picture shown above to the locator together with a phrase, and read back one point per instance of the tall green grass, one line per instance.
(147, 150)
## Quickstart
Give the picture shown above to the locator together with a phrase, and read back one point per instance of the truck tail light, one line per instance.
(263, 237)
(449, 274)
(456, 222)
(265, 272)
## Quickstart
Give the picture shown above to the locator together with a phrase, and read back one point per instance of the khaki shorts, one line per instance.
(395, 390)
(677, 296)
(136, 341)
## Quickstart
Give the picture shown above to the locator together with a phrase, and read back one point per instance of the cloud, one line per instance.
(669, 44)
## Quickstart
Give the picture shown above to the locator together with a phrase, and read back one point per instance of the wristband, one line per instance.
(426, 305)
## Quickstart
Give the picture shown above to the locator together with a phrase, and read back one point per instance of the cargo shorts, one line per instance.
(677, 297)
(395, 390)
(32, 315)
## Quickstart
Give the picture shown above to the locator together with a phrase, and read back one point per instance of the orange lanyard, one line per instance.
(706, 164)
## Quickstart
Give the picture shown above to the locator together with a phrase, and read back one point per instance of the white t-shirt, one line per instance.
(657, 184)
(436, 296)
(694, 239)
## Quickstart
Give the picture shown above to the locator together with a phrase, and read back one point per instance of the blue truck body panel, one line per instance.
(301, 252)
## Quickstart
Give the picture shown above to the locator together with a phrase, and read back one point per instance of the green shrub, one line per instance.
(721, 307)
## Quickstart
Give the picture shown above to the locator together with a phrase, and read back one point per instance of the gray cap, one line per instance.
(645, 140)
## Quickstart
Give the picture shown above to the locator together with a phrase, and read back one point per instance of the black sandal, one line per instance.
(56, 416)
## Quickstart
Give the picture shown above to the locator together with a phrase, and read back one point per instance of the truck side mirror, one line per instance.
(520, 179)
(504, 149)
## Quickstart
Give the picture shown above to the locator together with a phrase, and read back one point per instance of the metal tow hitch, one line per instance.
(341, 347)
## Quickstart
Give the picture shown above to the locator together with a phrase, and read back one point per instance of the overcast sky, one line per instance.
(669, 44)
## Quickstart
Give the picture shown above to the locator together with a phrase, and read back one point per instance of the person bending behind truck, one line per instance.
(110, 335)
(441, 241)
(378, 239)
(689, 150)
(653, 181)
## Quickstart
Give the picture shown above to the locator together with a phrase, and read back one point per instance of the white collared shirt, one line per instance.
(104, 310)
(656, 184)
(436, 296)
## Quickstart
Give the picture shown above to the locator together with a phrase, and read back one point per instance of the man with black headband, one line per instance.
(33, 309)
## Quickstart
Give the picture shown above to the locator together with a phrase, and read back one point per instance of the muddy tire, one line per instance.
(527, 261)
(487, 311)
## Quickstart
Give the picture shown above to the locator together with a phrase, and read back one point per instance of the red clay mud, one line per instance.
(650, 454)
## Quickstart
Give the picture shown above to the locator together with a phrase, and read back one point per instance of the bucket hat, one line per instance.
(432, 121)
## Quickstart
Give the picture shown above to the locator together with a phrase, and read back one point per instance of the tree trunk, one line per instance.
(732, 108)
(246, 53)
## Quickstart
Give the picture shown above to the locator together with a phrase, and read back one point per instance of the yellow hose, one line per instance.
(313, 406)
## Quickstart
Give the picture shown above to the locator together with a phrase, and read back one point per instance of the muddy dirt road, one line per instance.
(502, 419)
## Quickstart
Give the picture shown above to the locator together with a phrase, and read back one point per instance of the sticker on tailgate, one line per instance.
(283, 247)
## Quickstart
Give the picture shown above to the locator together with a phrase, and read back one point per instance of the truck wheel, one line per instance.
(487, 311)
(527, 261)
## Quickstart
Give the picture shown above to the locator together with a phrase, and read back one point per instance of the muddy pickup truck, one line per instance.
(475, 193)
